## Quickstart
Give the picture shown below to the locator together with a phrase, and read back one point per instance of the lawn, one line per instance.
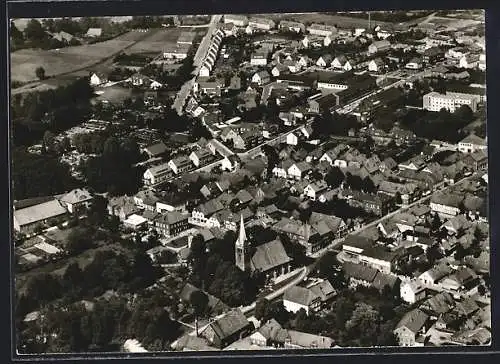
(338, 20)
(179, 243)
(157, 41)
(57, 61)
(115, 94)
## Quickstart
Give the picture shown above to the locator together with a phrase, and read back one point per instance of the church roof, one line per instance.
(268, 256)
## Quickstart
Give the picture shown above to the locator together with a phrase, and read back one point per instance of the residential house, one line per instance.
(279, 69)
(259, 58)
(180, 164)
(341, 62)
(298, 170)
(230, 163)
(377, 204)
(98, 79)
(227, 329)
(171, 223)
(446, 204)
(379, 46)
(77, 200)
(291, 26)
(314, 190)
(469, 61)
(177, 51)
(156, 150)
(146, 199)
(238, 20)
(261, 23)
(322, 103)
(94, 32)
(412, 291)
(432, 276)
(322, 29)
(471, 144)
(376, 65)
(324, 60)
(438, 305)
(414, 64)
(261, 77)
(297, 298)
(407, 191)
(411, 328)
(201, 157)
(157, 174)
(27, 220)
(123, 207)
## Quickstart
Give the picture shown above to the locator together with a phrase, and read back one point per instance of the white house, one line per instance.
(341, 62)
(298, 170)
(446, 204)
(76, 200)
(259, 58)
(471, 144)
(327, 41)
(379, 46)
(230, 163)
(97, 79)
(324, 61)
(261, 77)
(305, 42)
(314, 190)
(291, 139)
(156, 174)
(469, 61)
(412, 291)
(238, 20)
(414, 64)
(297, 298)
(376, 65)
(204, 71)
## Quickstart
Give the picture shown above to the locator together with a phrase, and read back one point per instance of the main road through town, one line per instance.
(201, 52)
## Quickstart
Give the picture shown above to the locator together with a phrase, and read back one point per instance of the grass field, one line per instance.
(24, 62)
(339, 20)
(115, 94)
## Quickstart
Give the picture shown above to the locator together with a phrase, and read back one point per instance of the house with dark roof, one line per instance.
(156, 150)
(76, 200)
(446, 204)
(227, 329)
(171, 223)
(297, 298)
(411, 328)
(123, 207)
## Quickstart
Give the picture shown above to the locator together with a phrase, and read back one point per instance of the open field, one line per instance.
(24, 62)
(339, 20)
(156, 42)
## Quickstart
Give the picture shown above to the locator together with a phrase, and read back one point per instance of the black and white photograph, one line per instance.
(249, 182)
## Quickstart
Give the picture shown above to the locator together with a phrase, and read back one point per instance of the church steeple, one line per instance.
(242, 238)
(242, 254)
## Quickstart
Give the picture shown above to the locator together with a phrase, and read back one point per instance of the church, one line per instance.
(269, 258)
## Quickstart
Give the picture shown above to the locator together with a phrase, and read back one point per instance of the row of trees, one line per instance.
(333, 124)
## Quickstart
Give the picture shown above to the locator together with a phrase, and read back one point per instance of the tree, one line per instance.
(34, 30)
(262, 307)
(433, 254)
(398, 198)
(334, 177)
(40, 73)
(436, 222)
(363, 324)
(199, 302)
(79, 240)
(49, 141)
(368, 185)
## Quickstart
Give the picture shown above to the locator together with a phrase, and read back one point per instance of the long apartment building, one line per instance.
(434, 101)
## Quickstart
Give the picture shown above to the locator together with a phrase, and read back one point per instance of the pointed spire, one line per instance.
(243, 236)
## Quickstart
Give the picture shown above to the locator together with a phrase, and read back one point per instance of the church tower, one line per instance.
(242, 249)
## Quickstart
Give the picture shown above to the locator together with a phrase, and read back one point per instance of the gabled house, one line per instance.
(314, 190)
(448, 204)
(324, 60)
(376, 65)
(412, 291)
(411, 328)
(180, 164)
(227, 329)
(297, 298)
(261, 77)
(341, 62)
(298, 170)
(77, 200)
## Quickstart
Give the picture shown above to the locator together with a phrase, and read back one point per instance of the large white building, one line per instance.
(238, 20)
(157, 174)
(434, 101)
